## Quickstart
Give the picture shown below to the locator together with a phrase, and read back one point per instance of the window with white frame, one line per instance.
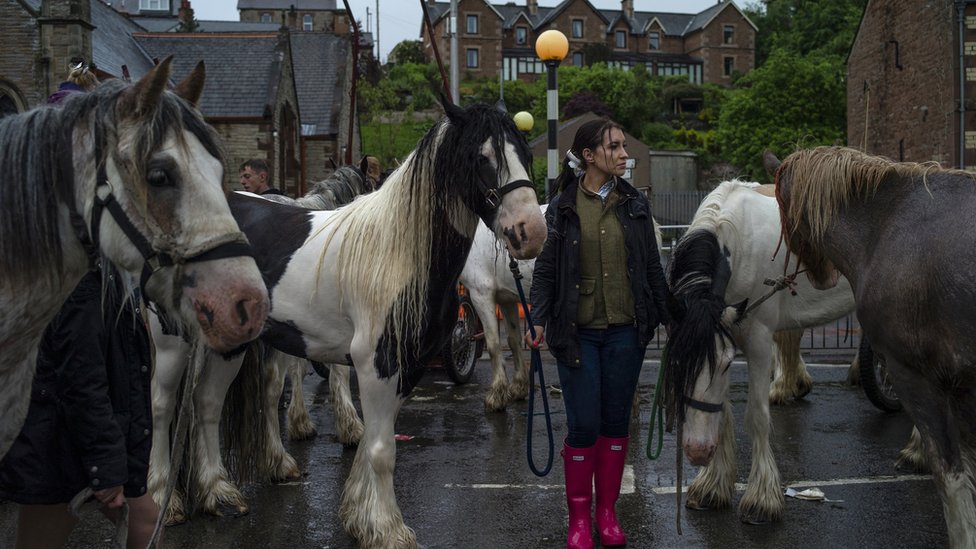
(307, 22)
(620, 39)
(265, 17)
(472, 24)
(521, 35)
(530, 65)
(577, 28)
(654, 40)
(154, 5)
(472, 55)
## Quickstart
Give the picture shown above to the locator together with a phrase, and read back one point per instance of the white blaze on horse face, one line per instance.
(226, 297)
(701, 429)
(519, 222)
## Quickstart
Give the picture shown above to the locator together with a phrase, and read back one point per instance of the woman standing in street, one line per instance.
(599, 292)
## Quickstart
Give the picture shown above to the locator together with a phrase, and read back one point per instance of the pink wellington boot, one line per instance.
(611, 453)
(579, 464)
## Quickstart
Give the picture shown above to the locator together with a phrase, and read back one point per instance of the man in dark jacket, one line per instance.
(90, 419)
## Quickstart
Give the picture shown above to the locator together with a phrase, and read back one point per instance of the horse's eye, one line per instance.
(158, 178)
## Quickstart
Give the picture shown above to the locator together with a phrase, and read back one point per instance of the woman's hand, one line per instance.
(111, 498)
(539, 336)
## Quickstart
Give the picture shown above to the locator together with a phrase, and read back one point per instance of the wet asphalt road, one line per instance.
(462, 481)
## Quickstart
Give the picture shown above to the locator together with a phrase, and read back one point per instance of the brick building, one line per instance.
(911, 91)
(257, 87)
(710, 46)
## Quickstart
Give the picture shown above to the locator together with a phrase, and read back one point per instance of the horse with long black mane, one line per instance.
(902, 234)
(372, 284)
(143, 156)
(207, 483)
(716, 268)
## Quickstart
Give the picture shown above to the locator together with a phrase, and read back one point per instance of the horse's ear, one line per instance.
(191, 88)
(144, 96)
(454, 113)
(770, 162)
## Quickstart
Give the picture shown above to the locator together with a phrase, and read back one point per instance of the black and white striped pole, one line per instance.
(552, 47)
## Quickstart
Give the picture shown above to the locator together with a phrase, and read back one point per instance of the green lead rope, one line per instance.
(657, 412)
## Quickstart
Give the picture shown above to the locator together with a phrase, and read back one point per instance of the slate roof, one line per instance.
(286, 4)
(241, 68)
(113, 45)
(319, 61)
(170, 24)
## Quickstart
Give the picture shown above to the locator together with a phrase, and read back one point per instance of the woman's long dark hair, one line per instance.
(588, 136)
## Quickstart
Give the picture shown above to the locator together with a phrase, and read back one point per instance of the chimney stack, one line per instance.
(627, 6)
(533, 6)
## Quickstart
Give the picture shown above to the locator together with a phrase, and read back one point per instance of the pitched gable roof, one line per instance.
(113, 45)
(230, 59)
(319, 61)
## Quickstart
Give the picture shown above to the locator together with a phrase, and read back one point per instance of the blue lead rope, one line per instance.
(535, 369)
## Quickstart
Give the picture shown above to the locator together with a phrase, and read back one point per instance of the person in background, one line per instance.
(81, 78)
(89, 425)
(256, 177)
(598, 295)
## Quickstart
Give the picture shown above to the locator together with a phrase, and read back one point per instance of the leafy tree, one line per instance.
(804, 26)
(408, 51)
(789, 101)
(584, 102)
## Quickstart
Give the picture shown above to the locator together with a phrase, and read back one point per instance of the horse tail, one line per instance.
(245, 438)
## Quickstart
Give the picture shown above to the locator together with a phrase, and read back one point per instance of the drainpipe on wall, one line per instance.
(961, 12)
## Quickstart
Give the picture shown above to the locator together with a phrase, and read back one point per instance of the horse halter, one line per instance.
(707, 407)
(493, 197)
(226, 246)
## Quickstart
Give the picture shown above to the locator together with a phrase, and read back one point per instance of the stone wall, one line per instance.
(902, 84)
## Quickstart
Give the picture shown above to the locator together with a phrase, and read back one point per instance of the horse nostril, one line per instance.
(242, 314)
(510, 234)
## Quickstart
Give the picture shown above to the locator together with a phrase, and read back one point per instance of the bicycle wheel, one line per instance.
(874, 379)
(464, 349)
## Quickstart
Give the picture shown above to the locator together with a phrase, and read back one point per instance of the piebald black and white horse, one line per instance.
(724, 259)
(131, 173)
(372, 284)
(903, 234)
(209, 486)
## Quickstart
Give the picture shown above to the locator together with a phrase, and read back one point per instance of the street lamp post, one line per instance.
(552, 47)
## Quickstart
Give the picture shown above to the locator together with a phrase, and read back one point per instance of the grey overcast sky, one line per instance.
(400, 19)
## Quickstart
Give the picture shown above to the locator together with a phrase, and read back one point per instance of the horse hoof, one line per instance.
(697, 506)
(754, 520)
(232, 511)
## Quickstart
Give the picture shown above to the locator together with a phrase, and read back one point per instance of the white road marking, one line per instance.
(657, 362)
(627, 484)
(740, 487)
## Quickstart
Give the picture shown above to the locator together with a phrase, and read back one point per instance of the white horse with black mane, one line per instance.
(372, 284)
(208, 484)
(144, 158)
(717, 268)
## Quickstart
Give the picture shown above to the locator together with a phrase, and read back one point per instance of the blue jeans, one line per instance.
(598, 393)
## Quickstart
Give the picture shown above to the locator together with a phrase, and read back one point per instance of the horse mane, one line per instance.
(37, 158)
(397, 223)
(340, 188)
(824, 179)
(697, 274)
